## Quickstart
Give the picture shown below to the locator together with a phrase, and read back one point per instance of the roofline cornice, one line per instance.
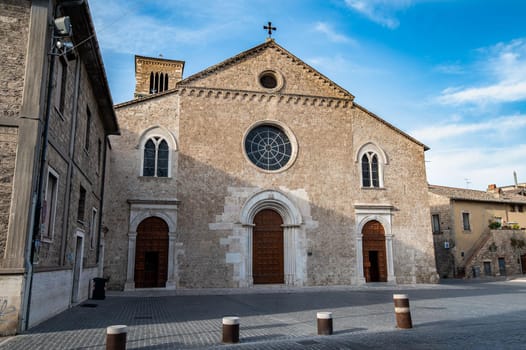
(232, 94)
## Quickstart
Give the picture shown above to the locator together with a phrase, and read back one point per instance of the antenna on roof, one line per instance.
(515, 178)
(467, 182)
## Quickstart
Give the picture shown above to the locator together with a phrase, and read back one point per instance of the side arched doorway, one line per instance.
(374, 254)
(267, 248)
(151, 254)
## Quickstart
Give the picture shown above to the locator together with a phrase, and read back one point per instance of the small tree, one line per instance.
(494, 225)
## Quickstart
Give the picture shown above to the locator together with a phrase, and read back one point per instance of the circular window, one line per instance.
(268, 80)
(268, 147)
(271, 80)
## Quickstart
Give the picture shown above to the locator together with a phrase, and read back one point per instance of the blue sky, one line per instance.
(450, 73)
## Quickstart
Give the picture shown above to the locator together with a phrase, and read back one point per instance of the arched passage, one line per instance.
(151, 254)
(374, 254)
(267, 248)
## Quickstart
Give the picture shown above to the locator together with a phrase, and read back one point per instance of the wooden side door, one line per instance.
(267, 248)
(151, 253)
(374, 255)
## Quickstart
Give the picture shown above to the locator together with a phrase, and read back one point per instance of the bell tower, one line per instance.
(155, 75)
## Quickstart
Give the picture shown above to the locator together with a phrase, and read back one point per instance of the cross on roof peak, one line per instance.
(270, 28)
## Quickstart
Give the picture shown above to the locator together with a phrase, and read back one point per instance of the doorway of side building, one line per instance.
(523, 263)
(374, 254)
(267, 248)
(77, 267)
(151, 254)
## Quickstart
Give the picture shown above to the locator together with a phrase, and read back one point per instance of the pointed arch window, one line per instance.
(156, 157)
(370, 173)
(372, 162)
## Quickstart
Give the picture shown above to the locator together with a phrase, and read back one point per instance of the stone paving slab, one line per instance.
(489, 315)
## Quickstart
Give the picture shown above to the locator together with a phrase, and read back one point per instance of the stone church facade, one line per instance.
(260, 170)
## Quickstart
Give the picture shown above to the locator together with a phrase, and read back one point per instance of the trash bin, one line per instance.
(99, 288)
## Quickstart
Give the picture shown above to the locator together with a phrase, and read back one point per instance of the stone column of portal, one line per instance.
(360, 278)
(390, 261)
(289, 255)
(130, 274)
(170, 280)
(249, 231)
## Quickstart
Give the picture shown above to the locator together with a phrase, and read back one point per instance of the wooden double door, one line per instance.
(374, 255)
(151, 253)
(267, 248)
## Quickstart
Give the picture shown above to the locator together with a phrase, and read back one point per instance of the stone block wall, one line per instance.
(14, 29)
(8, 148)
(498, 246)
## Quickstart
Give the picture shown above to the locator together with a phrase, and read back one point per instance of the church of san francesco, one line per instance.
(260, 170)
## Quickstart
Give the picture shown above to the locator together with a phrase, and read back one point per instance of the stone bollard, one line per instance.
(402, 312)
(116, 337)
(231, 329)
(324, 320)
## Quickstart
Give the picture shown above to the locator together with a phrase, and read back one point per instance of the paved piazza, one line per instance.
(451, 315)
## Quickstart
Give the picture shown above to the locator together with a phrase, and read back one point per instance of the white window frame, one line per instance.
(93, 228)
(162, 133)
(372, 147)
(48, 231)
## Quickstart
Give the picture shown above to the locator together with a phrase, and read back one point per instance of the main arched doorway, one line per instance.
(151, 254)
(374, 255)
(267, 248)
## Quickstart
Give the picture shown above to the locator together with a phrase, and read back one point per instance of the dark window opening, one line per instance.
(156, 158)
(82, 205)
(268, 80)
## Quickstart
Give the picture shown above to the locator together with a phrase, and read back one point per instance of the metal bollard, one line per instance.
(231, 329)
(402, 311)
(324, 320)
(116, 337)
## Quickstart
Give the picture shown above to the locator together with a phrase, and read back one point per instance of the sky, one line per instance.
(450, 73)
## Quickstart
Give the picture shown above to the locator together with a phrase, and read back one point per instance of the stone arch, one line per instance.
(294, 261)
(371, 147)
(370, 152)
(271, 199)
(383, 214)
(141, 216)
(141, 210)
(159, 132)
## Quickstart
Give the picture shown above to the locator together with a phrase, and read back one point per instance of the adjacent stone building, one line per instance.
(55, 114)
(261, 170)
(479, 233)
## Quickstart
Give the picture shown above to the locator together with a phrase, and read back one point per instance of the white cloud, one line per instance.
(454, 130)
(332, 35)
(505, 65)
(479, 166)
(381, 11)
